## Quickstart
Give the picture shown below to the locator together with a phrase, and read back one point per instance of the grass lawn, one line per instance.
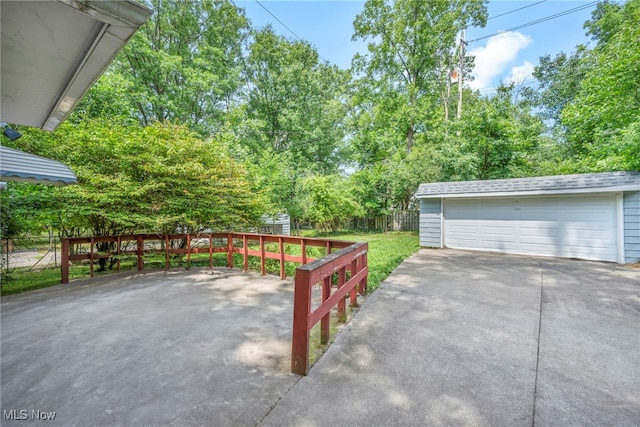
(18, 280)
(386, 251)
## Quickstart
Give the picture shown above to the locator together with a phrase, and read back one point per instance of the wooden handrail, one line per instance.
(321, 271)
(229, 247)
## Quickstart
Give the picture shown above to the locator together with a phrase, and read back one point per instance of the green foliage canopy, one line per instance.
(160, 178)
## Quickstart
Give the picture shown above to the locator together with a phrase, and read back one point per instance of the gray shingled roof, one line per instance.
(536, 185)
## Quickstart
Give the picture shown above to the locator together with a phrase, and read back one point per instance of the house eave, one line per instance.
(53, 52)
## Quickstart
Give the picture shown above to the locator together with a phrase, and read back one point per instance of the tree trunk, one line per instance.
(410, 133)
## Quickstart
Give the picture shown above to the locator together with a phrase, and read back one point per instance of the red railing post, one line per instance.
(188, 250)
(301, 309)
(210, 251)
(303, 250)
(262, 255)
(363, 264)
(167, 262)
(342, 310)
(118, 248)
(64, 267)
(281, 249)
(325, 322)
(354, 270)
(245, 252)
(91, 258)
(140, 252)
(229, 250)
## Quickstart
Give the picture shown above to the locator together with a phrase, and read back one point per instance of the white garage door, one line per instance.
(574, 227)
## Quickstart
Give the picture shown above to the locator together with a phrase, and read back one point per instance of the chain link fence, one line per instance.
(30, 253)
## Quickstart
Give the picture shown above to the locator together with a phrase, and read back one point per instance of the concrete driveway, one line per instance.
(471, 339)
(450, 338)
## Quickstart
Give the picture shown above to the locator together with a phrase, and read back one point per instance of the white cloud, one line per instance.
(521, 73)
(493, 59)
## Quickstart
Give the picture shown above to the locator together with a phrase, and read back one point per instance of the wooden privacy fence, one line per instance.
(347, 268)
(395, 221)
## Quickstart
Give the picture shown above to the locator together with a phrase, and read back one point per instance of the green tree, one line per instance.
(409, 53)
(276, 179)
(161, 178)
(602, 120)
(291, 123)
(295, 103)
(25, 208)
(328, 202)
(183, 65)
(494, 137)
(558, 83)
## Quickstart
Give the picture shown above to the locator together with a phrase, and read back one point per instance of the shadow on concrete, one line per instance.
(181, 348)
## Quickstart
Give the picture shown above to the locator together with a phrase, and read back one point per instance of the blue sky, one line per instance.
(328, 26)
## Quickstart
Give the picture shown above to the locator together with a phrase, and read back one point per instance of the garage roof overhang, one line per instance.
(53, 51)
(607, 182)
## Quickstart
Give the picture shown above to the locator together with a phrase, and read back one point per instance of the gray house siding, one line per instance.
(632, 226)
(430, 223)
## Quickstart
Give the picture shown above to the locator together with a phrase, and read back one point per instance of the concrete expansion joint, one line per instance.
(278, 401)
(535, 384)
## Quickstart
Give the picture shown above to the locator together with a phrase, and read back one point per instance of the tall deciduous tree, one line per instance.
(409, 42)
(185, 63)
(559, 81)
(494, 139)
(295, 103)
(292, 120)
(602, 119)
(328, 202)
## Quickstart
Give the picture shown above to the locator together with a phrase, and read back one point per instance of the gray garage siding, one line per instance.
(430, 223)
(632, 226)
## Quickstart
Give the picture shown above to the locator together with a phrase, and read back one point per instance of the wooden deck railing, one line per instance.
(352, 259)
(347, 267)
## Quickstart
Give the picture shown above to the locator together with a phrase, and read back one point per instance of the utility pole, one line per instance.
(447, 96)
(460, 74)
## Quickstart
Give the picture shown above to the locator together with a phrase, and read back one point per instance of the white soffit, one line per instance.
(53, 51)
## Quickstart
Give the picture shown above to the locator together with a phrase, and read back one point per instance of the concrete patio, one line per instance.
(178, 348)
(450, 338)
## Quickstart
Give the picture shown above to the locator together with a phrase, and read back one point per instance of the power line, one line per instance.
(288, 29)
(515, 10)
(281, 23)
(537, 21)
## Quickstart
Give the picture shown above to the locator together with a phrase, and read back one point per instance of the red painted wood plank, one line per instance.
(326, 306)
(300, 336)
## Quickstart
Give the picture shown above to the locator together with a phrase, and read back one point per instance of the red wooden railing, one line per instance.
(228, 243)
(352, 258)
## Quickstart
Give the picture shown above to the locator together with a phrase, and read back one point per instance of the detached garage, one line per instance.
(589, 216)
